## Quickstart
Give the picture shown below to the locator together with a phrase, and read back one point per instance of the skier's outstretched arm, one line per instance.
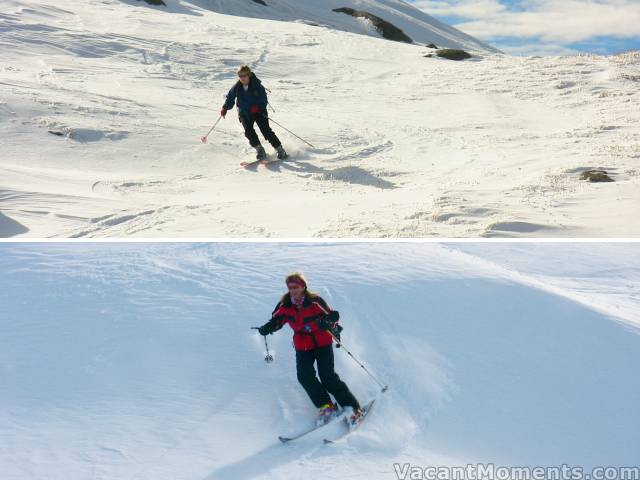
(276, 323)
(230, 101)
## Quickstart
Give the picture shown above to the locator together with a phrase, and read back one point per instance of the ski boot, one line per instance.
(325, 413)
(260, 153)
(354, 417)
(282, 154)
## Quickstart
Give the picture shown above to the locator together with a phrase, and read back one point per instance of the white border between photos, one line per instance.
(319, 240)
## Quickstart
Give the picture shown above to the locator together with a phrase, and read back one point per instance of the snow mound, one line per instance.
(9, 227)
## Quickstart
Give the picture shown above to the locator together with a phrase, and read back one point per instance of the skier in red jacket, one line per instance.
(311, 320)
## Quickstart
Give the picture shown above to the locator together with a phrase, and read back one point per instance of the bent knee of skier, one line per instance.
(330, 380)
(306, 377)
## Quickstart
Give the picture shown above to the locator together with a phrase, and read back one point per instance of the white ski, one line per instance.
(285, 439)
(348, 426)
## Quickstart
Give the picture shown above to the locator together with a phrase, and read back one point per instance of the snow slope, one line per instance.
(403, 145)
(136, 361)
(417, 24)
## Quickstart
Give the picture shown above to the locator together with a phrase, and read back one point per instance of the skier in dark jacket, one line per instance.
(251, 98)
(311, 320)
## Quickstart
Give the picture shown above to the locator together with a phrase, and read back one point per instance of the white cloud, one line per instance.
(462, 8)
(539, 49)
(552, 21)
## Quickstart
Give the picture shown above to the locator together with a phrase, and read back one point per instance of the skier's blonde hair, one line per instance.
(298, 276)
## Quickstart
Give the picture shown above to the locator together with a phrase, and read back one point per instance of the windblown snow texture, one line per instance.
(137, 361)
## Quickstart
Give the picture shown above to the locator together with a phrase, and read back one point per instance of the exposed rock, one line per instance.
(596, 176)
(453, 54)
(155, 2)
(630, 76)
(386, 29)
(432, 45)
(260, 2)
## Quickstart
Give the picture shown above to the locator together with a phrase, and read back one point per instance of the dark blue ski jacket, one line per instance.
(255, 95)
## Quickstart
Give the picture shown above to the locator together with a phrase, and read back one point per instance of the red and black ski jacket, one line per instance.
(304, 321)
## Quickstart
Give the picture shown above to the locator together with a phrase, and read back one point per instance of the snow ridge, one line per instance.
(418, 25)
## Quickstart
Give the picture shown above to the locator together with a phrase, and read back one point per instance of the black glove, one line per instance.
(328, 321)
(271, 326)
(337, 328)
(336, 333)
(265, 329)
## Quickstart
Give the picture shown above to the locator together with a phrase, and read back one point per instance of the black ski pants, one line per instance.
(329, 383)
(262, 120)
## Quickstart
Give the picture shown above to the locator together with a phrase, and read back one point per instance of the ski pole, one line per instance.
(281, 126)
(268, 357)
(384, 387)
(204, 139)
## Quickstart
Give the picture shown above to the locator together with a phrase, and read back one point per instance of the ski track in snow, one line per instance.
(405, 145)
(138, 361)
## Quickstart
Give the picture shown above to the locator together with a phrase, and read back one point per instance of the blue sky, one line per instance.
(544, 27)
